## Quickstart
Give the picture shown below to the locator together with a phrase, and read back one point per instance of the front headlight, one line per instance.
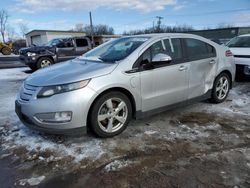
(53, 90)
(31, 54)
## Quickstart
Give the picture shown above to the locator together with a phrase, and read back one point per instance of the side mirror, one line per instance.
(161, 58)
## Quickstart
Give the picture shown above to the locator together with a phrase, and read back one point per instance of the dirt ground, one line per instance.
(201, 145)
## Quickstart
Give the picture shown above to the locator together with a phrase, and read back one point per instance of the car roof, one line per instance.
(159, 35)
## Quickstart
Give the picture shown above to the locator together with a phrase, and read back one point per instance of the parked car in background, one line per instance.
(124, 78)
(57, 50)
(240, 47)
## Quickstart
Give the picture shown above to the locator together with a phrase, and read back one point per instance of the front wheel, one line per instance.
(110, 114)
(221, 88)
(44, 62)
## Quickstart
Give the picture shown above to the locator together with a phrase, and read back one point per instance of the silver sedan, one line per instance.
(130, 77)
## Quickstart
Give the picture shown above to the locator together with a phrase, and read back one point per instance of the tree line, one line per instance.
(162, 29)
(100, 29)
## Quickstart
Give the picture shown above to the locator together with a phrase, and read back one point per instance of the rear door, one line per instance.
(203, 62)
(167, 83)
(82, 46)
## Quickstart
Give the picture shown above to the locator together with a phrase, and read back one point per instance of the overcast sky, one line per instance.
(126, 14)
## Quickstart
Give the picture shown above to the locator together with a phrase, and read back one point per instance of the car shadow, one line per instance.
(28, 71)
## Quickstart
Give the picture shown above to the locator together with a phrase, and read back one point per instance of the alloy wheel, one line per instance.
(112, 115)
(222, 88)
(45, 63)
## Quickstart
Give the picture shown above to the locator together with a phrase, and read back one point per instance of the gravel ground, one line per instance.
(202, 145)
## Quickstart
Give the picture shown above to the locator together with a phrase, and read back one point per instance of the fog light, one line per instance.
(54, 117)
(63, 116)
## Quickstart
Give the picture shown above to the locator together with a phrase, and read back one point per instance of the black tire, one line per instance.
(6, 51)
(214, 97)
(93, 116)
(41, 60)
(33, 67)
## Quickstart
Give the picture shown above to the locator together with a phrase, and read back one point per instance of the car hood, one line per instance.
(240, 51)
(35, 49)
(70, 71)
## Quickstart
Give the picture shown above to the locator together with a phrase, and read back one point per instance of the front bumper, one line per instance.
(78, 102)
(28, 60)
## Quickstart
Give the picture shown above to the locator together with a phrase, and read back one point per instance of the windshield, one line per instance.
(241, 42)
(54, 42)
(116, 50)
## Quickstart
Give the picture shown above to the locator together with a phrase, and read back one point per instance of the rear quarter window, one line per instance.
(197, 49)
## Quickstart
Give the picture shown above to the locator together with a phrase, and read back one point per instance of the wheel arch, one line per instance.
(119, 89)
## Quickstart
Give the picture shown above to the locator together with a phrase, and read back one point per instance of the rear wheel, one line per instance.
(110, 114)
(44, 62)
(221, 88)
(6, 51)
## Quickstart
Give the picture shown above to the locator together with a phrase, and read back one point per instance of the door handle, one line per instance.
(212, 62)
(182, 68)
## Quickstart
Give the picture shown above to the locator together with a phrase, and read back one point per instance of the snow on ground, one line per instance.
(116, 165)
(17, 135)
(32, 181)
(141, 136)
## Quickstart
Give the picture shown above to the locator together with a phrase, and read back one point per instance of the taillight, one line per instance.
(228, 53)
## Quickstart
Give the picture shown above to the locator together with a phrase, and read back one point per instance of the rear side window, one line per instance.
(173, 48)
(81, 42)
(197, 49)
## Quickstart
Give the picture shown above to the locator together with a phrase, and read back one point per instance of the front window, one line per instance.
(240, 42)
(116, 50)
(54, 42)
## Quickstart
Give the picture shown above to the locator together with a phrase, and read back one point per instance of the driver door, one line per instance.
(166, 83)
(65, 49)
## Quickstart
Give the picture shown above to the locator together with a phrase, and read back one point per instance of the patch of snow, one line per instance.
(186, 132)
(116, 165)
(32, 181)
(150, 132)
(241, 102)
(24, 137)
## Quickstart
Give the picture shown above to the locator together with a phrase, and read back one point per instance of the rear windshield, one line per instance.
(240, 42)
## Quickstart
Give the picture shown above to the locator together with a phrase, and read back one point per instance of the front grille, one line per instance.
(27, 92)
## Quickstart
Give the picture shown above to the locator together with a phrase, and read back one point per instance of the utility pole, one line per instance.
(91, 30)
(159, 22)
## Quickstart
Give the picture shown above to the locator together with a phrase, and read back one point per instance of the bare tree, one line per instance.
(23, 29)
(100, 29)
(79, 27)
(3, 22)
(11, 33)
